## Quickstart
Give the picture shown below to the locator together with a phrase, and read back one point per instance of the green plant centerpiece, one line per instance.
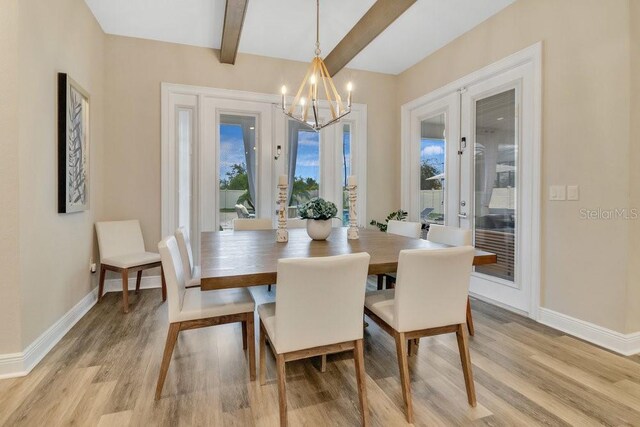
(318, 213)
(398, 215)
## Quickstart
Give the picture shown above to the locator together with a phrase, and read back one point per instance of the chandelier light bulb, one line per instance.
(349, 86)
(284, 90)
(302, 101)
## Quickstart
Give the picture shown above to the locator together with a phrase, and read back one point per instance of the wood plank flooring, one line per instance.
(103, 373)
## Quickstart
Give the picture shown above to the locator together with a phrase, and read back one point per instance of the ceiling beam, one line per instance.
(234, 13)
(372, 23)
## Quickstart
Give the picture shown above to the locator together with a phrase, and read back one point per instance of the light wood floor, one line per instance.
(104, 373)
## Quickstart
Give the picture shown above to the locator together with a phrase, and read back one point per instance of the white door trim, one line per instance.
(531, 55)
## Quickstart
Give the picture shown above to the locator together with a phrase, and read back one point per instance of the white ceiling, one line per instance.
(286, 28)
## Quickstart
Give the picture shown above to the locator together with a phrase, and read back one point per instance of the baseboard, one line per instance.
(498, 304)
(11, 365)
(147, 282)
(20, 364)
(625, 344)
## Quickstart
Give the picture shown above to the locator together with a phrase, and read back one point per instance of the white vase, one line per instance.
(319, 229)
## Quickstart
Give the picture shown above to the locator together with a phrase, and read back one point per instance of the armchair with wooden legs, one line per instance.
(122, 251)
(191, 308)
(429, 299)
(318, 310)
(452, 236)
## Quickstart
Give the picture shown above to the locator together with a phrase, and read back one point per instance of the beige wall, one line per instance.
(10, 330)
(585, 137)
(134, 70)
(633, 293)
(55, 249)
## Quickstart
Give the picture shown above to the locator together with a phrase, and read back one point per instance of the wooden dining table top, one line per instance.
(233, 259)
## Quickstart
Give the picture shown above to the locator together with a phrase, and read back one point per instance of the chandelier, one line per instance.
(307, 96)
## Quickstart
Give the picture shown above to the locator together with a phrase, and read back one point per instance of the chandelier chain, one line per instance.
(317, 27)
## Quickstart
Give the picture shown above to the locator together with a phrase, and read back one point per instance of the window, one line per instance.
(237, 179)
(432, 165)
(222, 156)
(185, 148)
(346, 171)
(304, 166)
(495, 164)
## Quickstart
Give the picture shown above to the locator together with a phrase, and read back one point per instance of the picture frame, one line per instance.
(73, 146)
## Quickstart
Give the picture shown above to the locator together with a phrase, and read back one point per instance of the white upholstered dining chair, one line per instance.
(453, 236)
(400, 228)
(246, 224)
(122, 250)
(318, 310)
(191, 308)
(405, 228)
(191, 272)
(429, 298)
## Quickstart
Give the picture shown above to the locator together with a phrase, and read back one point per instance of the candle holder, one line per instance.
(352, 232)
(282, 235)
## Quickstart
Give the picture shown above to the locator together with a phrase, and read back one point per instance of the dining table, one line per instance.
(234, 259)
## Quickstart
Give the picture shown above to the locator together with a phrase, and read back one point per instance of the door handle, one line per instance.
(462, 215)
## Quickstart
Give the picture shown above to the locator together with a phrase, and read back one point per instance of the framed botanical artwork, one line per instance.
(73, 146)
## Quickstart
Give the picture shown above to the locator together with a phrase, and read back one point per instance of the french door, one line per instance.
(490, 196)
(222, 152)
(471, 160)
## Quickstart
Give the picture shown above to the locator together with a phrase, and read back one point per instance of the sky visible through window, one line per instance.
(346, 152)
(231, 148)
(308, 161)
(432, 150)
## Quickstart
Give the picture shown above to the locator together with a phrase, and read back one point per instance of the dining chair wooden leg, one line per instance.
(244, 335)
(282, 389)
(103, 272)
(380, 282)
(470, 326)
(323, 363)
(164, 284)
(172, 337)
(262, 349)
(405, 382)
(465, 359)
(138, 281)
(125, 290)
(251, 339)
(358, 358)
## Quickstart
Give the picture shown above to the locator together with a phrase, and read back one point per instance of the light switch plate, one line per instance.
(573, 193)
(558, 192)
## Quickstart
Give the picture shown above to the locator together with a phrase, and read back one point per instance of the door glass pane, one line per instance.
(306, 169)
(184, 168)
(496, 181)
(237, 168)
(432, 165)
(346, 171)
